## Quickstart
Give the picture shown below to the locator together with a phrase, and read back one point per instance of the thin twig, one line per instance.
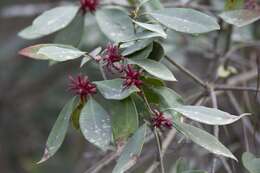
(187, 72)
(235, 88)
(159, 146)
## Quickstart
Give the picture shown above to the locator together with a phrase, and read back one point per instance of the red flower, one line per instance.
(81, 86)
(159, 120)
(111, 57)
(131, 77)
(89, 5)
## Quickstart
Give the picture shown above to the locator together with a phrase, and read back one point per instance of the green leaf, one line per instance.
(131, 151)
(115, 24)
(203, 139)
(49, 22)
(76, 114)
(95, 124)
(29, 33)
(137, 46)
(142, 54)
(152, 5)
(152, 82)
(58, 131)
(153, 27)
(207, 115)
(241, 17)
(89, 56)
(251, 163)
(124, 119)
(72, 34)
(154, 68)
(55, 52)
(168, 99)
(158, 52)
(114, 90)
(186, 20)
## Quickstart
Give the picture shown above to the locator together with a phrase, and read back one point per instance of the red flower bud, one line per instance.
(82, 87)
(159, 120)
(89, 5)
(112, 57)
(131, 77)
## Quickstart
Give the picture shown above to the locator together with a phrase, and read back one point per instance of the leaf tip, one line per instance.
(45, 156)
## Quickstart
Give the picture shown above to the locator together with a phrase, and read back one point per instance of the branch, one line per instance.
(188, 73)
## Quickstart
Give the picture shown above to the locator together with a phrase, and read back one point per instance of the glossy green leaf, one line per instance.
(76, 114)
(137, 46)
(241, 17)
(58, 131)
(124, 119)
(158, 52)
(203, 139)
(50, 21)
(153, 27)
(55, 52)
(186, 20)
(72, 34)
(115, 24)
(251, 163)
(114, 90)
(152, 5)
(131, 151)
(29, 33)
(156, 69)
(142, 54)
(207, 115)
(95, 124)
(169, 98)
(89, 56)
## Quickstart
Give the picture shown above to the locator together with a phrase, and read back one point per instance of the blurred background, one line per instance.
(32, 93)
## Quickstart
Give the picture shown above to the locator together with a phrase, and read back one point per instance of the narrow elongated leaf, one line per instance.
(95, 124)
(55, 52)
(180, 166)
(131, 151)
(124, 119)
(194, 171)
(115, 24)
(113, 89)
(153, 27)
(186, 20)
(58, 131)
(241, 17)
(72, 34)
(203, 139)
(154, 68)
(251, 163)
(207, 115)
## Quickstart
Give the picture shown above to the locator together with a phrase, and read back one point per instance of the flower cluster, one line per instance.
(159, 120)
(89, 5)
(131, 77)
(111, 57)
(82, 87)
